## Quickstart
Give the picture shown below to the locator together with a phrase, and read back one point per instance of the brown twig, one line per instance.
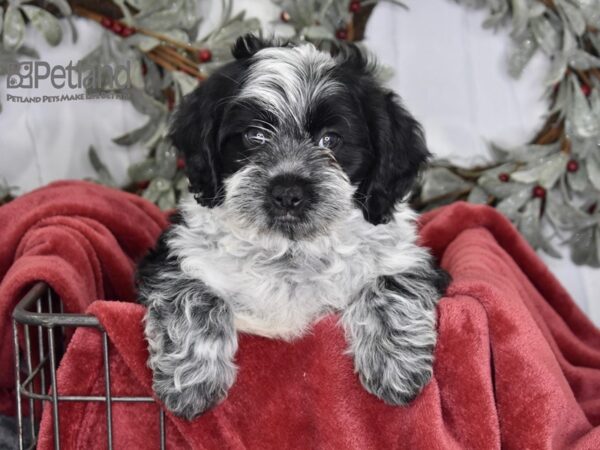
(583, 76)
(179, 61)
(565, 145)
(359, 22)
(350, 30)
(160, 60)
(595, 72)
(177, 56)
(550, 132)
(168, 40)
(549, 4)
(163, 55)
(92, 15)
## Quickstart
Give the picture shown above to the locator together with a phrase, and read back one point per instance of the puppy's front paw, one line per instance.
(395, 375)
(190, 401)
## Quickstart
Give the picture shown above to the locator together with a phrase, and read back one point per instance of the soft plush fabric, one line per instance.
(517, 366)
(80, 238)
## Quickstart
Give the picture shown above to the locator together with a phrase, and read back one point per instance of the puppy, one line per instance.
(298, 163)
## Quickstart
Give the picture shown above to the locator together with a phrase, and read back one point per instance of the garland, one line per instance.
(549, 187)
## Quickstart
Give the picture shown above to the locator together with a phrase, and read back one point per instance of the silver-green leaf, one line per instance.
(583, 119)
(439, 181)
(14, 28)
(574, 16)
(510, 205)
(45, 22)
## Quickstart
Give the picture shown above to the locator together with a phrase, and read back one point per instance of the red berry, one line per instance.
(204, 55)
(127, 31)
(106, 22)
(504, 177)
(586, 89)
(143, 184)
(572, 166)
(285, 16)
(592, 208)
(354, 6)
(539, 192)
(341, 34)
(117, 27)
(180, 163)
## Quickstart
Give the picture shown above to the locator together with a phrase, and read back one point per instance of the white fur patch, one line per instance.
(278, 287)
(287, 81)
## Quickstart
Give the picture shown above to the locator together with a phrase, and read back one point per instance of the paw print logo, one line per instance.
(20, 75)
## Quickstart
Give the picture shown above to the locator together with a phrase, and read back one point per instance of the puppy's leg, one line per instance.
(391, 331)
(191, 336)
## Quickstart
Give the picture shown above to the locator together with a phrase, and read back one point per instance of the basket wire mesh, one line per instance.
(40, 332)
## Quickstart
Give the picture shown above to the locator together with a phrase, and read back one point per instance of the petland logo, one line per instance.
(99, 81)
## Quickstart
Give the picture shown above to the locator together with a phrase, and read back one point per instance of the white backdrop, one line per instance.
(450, 72)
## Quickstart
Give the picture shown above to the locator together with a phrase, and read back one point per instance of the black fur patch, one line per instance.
(383, 147)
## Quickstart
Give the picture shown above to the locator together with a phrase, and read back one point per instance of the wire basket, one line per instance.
(41, 331)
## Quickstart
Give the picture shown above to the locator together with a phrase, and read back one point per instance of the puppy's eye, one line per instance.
(255, 136)
(330, 140)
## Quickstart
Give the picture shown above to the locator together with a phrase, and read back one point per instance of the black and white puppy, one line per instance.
(298, 161)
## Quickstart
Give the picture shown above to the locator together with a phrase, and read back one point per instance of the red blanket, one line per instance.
(517, 363)
(79, 237)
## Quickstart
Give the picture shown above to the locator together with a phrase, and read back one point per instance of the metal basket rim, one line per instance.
(23, 315)
(29, 313)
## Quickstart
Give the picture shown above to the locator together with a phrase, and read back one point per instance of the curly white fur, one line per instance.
(278, 287)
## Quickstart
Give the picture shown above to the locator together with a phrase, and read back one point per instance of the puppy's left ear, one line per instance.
(400, 153)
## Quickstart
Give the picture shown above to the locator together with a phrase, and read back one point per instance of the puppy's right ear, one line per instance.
(247, 45)
(194, 133)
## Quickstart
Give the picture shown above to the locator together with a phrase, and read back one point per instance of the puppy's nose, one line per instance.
(288, 193)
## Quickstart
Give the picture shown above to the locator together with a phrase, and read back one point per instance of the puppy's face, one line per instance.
(288, 139)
